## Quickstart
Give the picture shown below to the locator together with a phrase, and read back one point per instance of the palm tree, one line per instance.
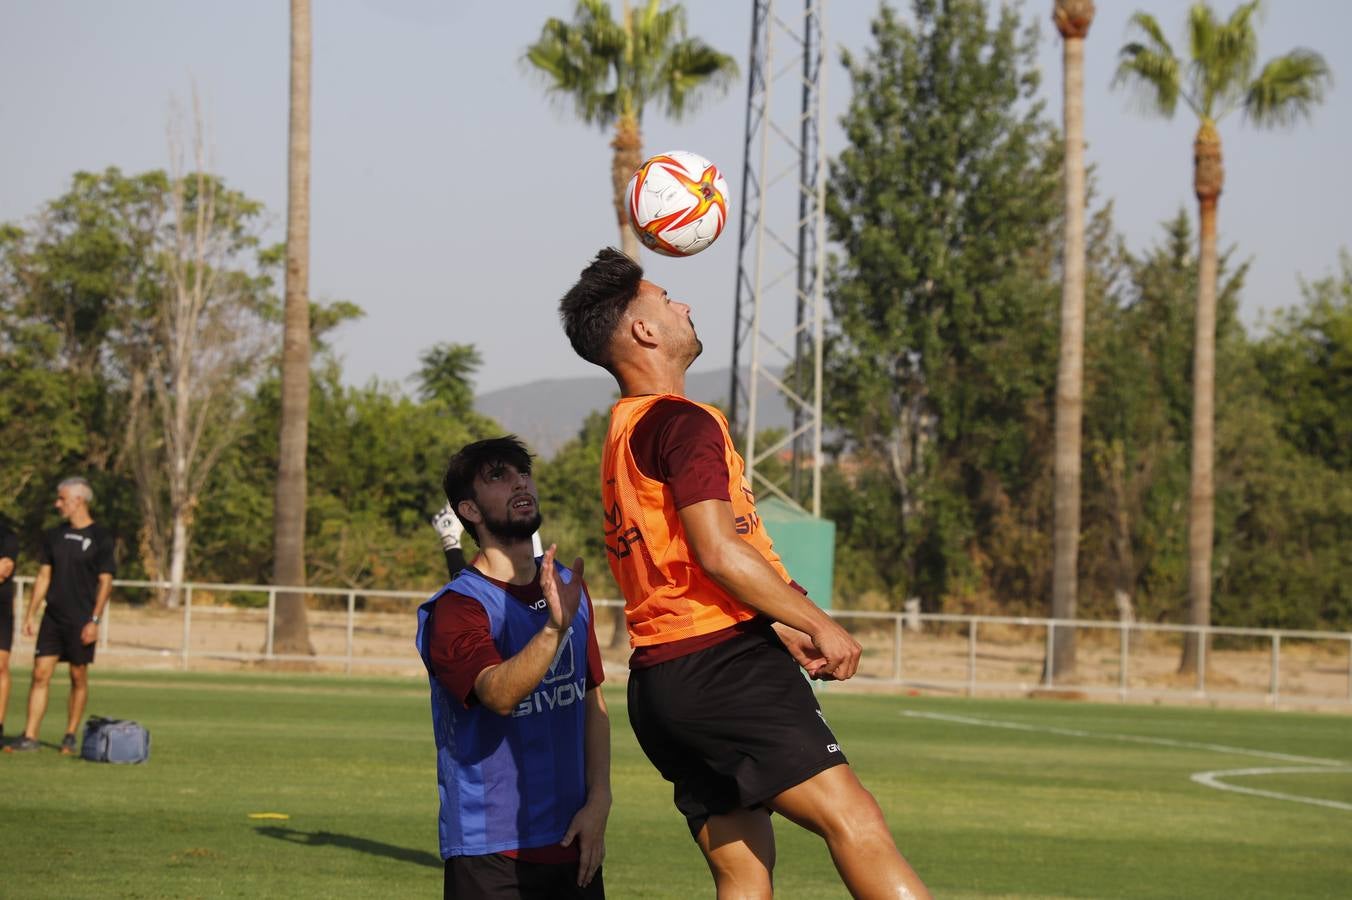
(1220, 77)
(612, 70)
(1072, 18)
(291, 633)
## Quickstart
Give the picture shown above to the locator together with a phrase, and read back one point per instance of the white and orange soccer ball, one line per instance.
(678, 203)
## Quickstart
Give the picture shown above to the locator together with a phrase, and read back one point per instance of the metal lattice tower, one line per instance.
(779, 305)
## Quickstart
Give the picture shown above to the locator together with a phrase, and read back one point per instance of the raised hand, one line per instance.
(562, 599)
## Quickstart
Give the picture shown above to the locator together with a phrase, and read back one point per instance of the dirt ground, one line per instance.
(1004, 659)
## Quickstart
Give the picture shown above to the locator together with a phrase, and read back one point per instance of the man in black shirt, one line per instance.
(9, 555)
(76, 579)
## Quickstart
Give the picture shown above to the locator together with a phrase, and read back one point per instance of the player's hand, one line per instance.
(839, 651)
(801, 648)
(589, 828)
(89, 633)
(563, 599)
(27, 628)
(448, 527)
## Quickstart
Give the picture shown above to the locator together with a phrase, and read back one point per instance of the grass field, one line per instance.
(986, 798)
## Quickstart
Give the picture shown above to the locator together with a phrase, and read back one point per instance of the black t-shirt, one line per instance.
(9, 549)
(77, 557)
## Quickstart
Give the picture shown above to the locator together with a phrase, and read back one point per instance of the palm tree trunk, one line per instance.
(1073, 22)
(1208, 177)
(628, 156)
(291, 630)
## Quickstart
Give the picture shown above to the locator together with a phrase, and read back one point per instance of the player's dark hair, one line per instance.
(591, 310)
(473, 459)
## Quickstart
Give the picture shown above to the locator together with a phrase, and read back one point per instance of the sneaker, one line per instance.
(68, 745)
(23, 745)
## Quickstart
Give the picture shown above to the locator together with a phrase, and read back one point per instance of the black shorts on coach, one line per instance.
(6, 625)
(56, 638)
(731, 726)
(498, 877)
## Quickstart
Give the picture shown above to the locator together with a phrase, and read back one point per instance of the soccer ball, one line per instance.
(678, 203)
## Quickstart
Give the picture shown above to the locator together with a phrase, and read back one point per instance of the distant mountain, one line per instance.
(545, 414)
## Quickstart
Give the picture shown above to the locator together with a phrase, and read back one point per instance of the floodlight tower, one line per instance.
(778, 306)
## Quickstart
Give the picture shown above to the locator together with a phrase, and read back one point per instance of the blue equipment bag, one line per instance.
(115, 741)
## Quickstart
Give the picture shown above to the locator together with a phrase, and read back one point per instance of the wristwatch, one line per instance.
(94, 619)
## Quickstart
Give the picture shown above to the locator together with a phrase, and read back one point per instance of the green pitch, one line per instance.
(986, 798)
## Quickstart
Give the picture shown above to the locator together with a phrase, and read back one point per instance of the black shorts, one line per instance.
(498, 877)
(56, 638)
(6, 622)
(731, 726)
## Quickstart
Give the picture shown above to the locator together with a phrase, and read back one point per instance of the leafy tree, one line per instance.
(291, 628)
(1307, 365)
(1072, 18)
(74, 284)
(612, 70)
(446, 376)
(1220, 76)
(199, 341)
(944, 204)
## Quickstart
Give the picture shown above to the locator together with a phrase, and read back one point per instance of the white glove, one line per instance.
(447, 524)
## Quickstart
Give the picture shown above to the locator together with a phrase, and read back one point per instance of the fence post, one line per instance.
(187, 626)
(896, 656)
(351, 611)
(1049, 670)
(971, 658)
(1276, 686)
(272, 620)
(1203, 638)
(1124, 630)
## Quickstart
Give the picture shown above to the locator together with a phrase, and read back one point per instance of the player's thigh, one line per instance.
(4, 661)
(43, 667)
(739, 847)
(79, 674)
(834, 801)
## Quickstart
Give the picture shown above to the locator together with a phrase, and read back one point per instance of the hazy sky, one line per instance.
(454, 202)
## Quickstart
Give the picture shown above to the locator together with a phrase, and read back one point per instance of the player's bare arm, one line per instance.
(40, 586)
(501, 687)
(589, 825)
(746, 575)
(89, 633)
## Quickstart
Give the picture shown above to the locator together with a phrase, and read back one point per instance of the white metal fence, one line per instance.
(362, 630)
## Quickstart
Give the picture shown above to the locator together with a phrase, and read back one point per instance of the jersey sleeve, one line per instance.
(462, 644)
(107, 565)
(45, 549)
(596, 672)
(680, 445)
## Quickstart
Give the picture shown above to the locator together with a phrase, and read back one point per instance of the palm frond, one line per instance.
(1287, 90)
(1223, 55)
(1153, 77)
(608, 67)
(691, 66)
(1149, 27)
(578, 60)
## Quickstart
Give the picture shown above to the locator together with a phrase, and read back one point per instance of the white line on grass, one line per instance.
(1208, 779)
(1127, 738)
(1212, 780)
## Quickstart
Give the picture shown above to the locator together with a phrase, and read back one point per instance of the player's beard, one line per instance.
(509, 530)
(694, 348)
